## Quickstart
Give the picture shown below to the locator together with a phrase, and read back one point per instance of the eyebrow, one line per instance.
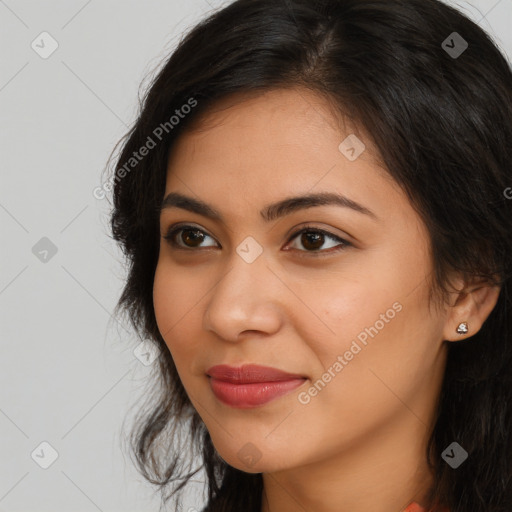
(272, 211)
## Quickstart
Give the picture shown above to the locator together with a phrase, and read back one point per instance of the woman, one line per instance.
(315, 206)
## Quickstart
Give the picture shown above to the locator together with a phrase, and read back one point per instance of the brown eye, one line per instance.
(192, 237)
(313, 239)
(189, 237)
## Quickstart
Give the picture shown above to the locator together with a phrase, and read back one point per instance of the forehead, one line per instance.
(265, 146)
(291, 123)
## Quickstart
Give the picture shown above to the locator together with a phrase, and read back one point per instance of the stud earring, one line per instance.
(462, 328)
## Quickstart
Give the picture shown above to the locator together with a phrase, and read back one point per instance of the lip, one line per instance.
(251, 385)
(250, 373)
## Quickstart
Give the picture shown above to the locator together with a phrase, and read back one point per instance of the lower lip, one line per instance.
(245, 396)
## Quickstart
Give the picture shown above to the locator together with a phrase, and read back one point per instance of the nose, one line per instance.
(246, 299)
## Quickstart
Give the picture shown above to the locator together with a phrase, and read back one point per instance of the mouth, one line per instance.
(251, 385)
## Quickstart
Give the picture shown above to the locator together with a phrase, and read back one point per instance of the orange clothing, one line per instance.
(415, 507)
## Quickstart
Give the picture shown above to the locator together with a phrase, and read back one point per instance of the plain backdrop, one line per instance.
(69, 373)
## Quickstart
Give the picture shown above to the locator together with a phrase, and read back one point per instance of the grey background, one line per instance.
(69, 375)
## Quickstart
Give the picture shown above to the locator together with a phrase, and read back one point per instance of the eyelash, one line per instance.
(173, 230)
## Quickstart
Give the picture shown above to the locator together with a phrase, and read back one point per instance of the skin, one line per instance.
(359, 444)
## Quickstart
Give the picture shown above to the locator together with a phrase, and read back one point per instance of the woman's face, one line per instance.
(351, 318)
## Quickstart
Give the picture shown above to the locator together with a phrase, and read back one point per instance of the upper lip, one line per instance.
(250, 373)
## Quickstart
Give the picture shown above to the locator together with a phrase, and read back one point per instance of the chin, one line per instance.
(250, 459)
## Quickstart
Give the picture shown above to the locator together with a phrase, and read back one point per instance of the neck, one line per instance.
(385, 472)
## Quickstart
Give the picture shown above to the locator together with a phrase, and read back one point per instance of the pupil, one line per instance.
(197, 236)
(312, 236)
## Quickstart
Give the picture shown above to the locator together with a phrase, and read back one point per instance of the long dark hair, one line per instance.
(441, 117)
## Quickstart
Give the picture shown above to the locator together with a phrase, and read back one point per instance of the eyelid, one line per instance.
(312, 227)
(173, 229)
(341, 245)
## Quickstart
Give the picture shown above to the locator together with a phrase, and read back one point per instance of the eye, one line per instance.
(189, 235)
(314, 238)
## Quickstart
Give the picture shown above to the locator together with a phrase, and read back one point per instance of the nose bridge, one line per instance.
(243, 299)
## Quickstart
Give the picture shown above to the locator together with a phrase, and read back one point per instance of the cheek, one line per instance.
(346, 307)
(383, 341)
(164, 299)
(378, 320)
(175, 300)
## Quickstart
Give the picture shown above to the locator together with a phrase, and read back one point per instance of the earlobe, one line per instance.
(470, 310)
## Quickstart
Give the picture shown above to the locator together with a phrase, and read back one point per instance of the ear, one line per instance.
(473, 303)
